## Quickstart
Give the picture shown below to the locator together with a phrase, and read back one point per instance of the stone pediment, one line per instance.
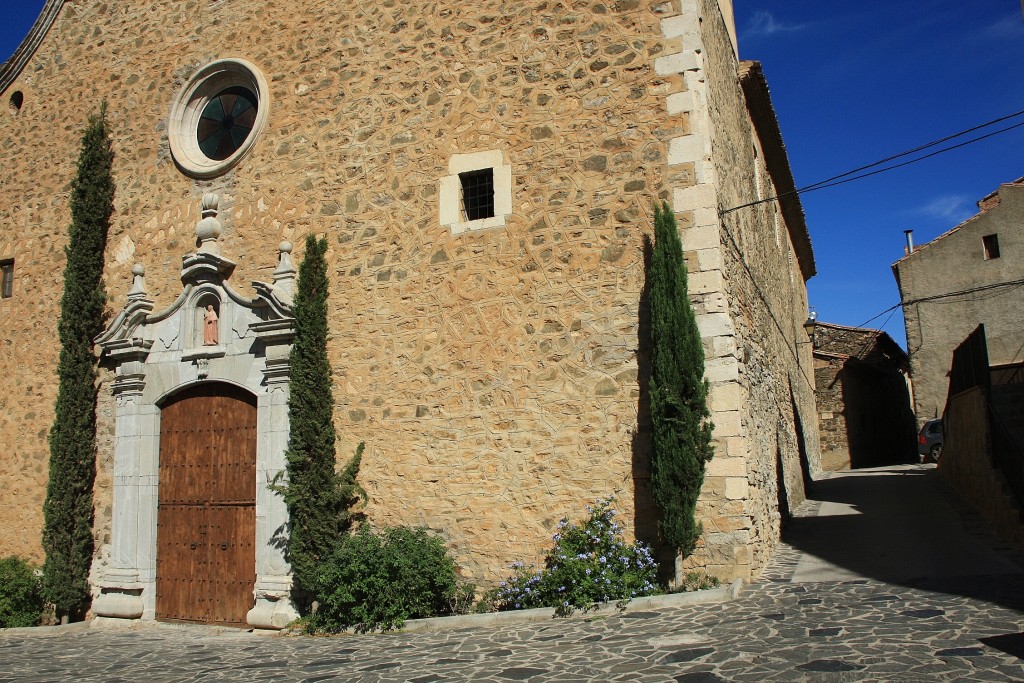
(209, 318)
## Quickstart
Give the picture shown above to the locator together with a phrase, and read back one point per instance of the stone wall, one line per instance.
(493, 376)
(768, 305)
(832, 433)
(751, 302)
(967, 464)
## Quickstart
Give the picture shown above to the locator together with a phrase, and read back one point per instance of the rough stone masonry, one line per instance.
(496, 375)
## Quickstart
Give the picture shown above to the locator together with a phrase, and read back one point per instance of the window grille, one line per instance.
(478, 194)
(6, 279)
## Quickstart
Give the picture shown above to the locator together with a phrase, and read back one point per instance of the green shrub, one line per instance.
(696, 581)
(589, 564)
(377, 580)
(21, 593)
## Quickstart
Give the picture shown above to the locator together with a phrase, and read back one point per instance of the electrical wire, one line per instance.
(855, 174)
(947, 295)
(812, 188)
(919, 148)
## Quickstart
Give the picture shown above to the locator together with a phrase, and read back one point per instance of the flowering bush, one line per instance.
(590, 563)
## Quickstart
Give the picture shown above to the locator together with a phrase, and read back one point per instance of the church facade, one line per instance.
(485, 178)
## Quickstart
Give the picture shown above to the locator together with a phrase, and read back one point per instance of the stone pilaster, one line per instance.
(128, 584)
(697, 206)
(274, 608)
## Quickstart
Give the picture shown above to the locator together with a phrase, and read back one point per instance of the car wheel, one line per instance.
(936, 452)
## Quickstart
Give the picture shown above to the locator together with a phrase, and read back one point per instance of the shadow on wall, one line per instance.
(806, 479)
(645, 512)
(904, 525)
(880, 425)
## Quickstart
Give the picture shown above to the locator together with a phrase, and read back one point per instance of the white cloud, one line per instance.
(1009, 27)
(953, 208)
(764, 24)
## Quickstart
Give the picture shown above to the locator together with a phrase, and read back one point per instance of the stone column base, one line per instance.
(119, 603)
(272, 613)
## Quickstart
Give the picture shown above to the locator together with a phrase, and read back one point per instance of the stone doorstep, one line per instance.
(486, 620)
(491, 619)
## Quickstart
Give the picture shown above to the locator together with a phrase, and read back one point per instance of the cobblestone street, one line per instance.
(937, 628)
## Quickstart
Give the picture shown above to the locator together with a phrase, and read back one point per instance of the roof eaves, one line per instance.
(762, 113)
(1016, 183)
(11, 69)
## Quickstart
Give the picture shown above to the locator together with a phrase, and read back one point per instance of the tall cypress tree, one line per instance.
(680, 425)
(319, 498)
(68, 510)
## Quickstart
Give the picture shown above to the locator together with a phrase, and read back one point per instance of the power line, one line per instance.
(919, 148)
(947, 295)
(912, 161)
(855, 174)
(876, 317)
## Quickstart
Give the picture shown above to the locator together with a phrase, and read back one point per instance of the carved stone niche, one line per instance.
(158, 354)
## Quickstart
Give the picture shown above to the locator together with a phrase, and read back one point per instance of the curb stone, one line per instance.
(526, 616)
(113, 624)
(58, 629)
(461, 621)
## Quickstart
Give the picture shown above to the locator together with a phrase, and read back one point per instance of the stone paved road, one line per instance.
(945, 628)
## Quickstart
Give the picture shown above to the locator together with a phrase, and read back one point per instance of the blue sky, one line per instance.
(853, 83)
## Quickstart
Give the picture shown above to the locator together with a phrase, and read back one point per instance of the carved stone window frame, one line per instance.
(451, 212)
(190, 103)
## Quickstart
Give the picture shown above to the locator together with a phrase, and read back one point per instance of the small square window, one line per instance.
(477, 194)
(991, 243)
(6, 279)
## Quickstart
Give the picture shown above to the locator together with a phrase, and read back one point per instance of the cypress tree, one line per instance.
(680, 425)
(319, 498)
(68, 510)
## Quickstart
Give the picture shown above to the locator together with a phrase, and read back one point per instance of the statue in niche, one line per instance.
(211, 335)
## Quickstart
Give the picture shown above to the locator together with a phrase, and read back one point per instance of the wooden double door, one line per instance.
(206, 513)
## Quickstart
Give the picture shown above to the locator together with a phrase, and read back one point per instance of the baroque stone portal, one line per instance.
(157, 355)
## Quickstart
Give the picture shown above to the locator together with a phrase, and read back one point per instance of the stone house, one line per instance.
(863, 392)
(970, 275)
(485, 177)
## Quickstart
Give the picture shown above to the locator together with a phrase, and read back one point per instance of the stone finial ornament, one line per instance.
(138, 290)
(284, 274)
(209, 228)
